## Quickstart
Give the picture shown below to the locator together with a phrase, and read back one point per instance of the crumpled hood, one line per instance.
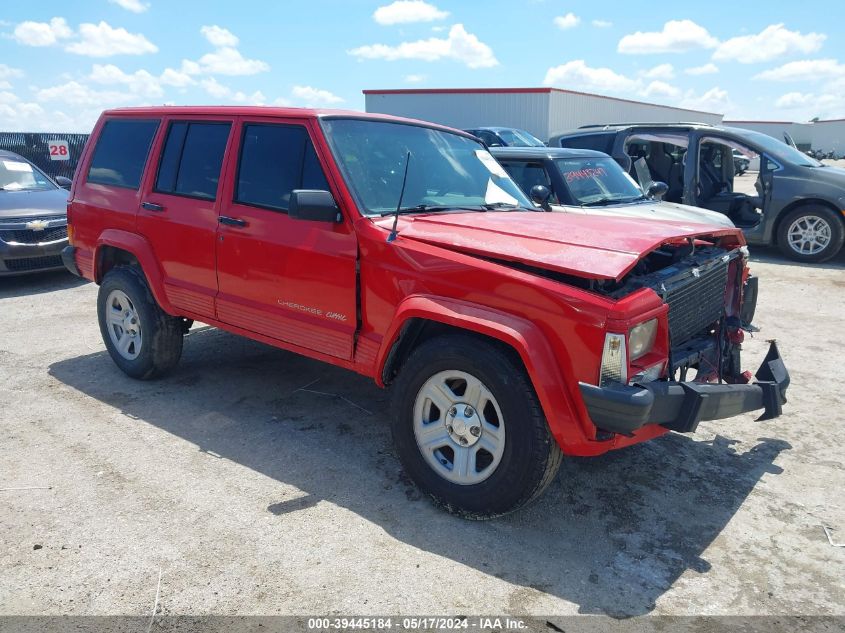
(654, 210)
(20, 204)
(590, 247)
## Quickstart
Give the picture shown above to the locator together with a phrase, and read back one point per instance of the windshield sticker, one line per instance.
(16, 166)
(586, 174)
(496, 194)
(491, 163)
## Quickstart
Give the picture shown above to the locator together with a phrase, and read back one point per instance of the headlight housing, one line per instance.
(641, 338)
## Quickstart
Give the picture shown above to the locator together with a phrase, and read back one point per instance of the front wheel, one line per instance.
(811, 234)
(469, 428)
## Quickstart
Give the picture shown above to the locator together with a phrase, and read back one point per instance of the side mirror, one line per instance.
(540, 194)
(63, 182)
(657, 190)
(314, 205)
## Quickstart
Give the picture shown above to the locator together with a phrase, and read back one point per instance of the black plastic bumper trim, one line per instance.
(69, 260)
(680, 406)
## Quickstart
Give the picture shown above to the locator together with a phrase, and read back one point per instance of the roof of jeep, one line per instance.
(271, 111)
(540, 153)
(612, 128)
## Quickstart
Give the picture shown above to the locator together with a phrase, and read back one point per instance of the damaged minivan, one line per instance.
(783, 197)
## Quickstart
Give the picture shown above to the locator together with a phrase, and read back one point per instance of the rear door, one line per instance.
(179, 208)
(291, 280)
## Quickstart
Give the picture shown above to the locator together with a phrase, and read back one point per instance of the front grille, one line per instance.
(27, 218)
(27, 236)
(696, 302)
(33, 263)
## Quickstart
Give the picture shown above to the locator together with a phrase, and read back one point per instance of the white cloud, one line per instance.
(714, 100)
(661, 71)
(225, 93)
(677, 36)
(229, 61)
(602, 24)
(660, 89)
(5, 85)
(415, 79)
(42, 33)
(176, 78)
(74, 93)
(7, 72)
(407, 11)
(103, 40)
(706, 69)
(135, 6)
(805, 70)
(218, 36)
(460, 45)
(314, 96)
(772, 42)
(808, 105)
(567, 21)
(576, 74)
(141, 82)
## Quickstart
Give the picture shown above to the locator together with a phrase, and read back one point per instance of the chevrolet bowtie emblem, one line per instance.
(37, 225)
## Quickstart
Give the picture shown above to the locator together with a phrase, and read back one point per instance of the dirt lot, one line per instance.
(250, 495)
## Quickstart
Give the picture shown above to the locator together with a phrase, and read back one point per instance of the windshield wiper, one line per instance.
(601, 202)
(502, 206)
(433, 208)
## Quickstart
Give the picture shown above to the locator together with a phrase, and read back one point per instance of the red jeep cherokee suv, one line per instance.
(403, 251)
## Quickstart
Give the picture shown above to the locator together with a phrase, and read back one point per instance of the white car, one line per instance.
(588, 182)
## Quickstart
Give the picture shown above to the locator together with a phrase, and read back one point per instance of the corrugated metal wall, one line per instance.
(528, 111)
(35, 148)
(571, 110)
(829, 136)
(542, 113)
(802, 133)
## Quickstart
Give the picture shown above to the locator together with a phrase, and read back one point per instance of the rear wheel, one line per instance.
(143, 340)
(811, 234)
(469, 429)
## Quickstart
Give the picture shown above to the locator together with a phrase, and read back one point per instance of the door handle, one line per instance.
(152, 206)
(225, 219)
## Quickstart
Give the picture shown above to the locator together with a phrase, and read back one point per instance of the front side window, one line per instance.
(446, 170)
(593, 181)
(20, 175)
(121, 152)
(192, 158)
(275, 160)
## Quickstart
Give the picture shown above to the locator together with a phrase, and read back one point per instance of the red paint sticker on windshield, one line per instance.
(585, 174)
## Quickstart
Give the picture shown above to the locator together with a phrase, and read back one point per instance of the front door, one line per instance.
(179, 208)
(291, 280)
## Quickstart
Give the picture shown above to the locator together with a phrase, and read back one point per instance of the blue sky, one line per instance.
(61, 63)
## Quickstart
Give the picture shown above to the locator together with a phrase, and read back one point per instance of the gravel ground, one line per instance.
(250, 495)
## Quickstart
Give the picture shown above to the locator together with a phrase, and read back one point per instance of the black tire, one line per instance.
(161, 334)
(530, 458)
(833, 246)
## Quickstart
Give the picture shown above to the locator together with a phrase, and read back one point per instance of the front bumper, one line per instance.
(680, 406)
(18, 259)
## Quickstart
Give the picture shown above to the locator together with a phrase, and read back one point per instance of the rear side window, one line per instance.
(597, 142)
(192, 158)
(121, 152)
(275, 160)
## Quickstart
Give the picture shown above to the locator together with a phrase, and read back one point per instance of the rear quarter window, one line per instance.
(121, 152)
(597, 142)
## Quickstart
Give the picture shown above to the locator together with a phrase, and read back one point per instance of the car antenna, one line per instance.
(393, 232)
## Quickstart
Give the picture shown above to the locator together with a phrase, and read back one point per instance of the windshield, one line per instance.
(519, 138)
(19, 175)
(446, 170)
(597, 180)
(778, 149)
